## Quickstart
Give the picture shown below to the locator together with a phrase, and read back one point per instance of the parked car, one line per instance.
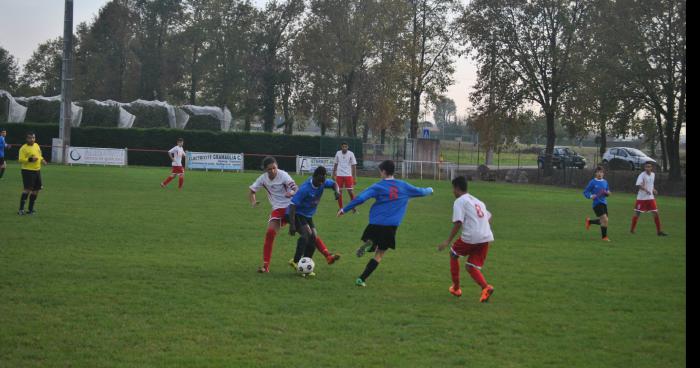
(562, 157)
(626, 158)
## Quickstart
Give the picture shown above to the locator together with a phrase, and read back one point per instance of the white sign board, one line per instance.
(309, 164)
(215, 161)
(96, 156)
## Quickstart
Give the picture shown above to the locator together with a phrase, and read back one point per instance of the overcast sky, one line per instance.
(24, 24)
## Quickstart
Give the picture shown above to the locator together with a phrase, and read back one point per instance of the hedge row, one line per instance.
(254, 145)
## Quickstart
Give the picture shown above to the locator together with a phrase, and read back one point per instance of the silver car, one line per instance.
(630, 158)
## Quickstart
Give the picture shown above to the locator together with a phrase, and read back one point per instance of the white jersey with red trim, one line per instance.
(645, 182)
(276, 188)
(474, 216)
(179, 153)
(344, 162)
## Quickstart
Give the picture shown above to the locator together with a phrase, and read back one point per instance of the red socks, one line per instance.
(168, 180)
(267, 248)
(634, 223)
(657, 221)
(454, 270)
(322, 247)
(340, 200)
(475, 273)
(180, 181)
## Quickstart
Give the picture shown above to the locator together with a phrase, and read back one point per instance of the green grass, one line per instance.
(115, 271)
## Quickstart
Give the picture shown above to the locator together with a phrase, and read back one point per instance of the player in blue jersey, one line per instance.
(3, 145)
(300, 214)
(598, 191)
(391, 199)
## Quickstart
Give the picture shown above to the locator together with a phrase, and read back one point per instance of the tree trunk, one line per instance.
(246, 124)
(415, 110)
(673, 148)
(603, 139)
(269, 106)
(489, 157)
(382, 136)
(662, 141)
(551, 138)
(194, 76)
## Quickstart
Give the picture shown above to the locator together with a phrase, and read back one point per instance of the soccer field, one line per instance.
(115, 271)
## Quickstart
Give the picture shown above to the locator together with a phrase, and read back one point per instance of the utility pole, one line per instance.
(66, 80)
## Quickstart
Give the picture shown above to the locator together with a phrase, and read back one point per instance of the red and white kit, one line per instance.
(476, 229)
(179, 153)
(645, 202)
(344, 171)
(277, 192)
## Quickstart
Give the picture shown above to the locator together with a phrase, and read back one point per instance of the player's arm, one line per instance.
(23, 155)
(354, 174)
(253, 189)
(336, 189)
(360, 199)
(457, 225)
(417, 192)
(335, 169)
(588, 192)
(41, 157)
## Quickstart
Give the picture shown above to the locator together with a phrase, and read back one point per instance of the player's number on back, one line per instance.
(393, 193)
(479, 211)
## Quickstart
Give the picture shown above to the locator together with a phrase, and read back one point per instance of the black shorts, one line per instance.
(301, 221)
(383, 237)
(2, 161)
(31, 180)
(600, 209)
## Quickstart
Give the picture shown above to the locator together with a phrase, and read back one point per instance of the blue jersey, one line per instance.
(2, 146)
(308, 197)
(597, 187)
(391, 199)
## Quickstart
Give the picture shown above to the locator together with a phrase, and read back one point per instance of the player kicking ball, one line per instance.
(176, 154)
(391, 199)
(300, 214)
(280, 188)
(646, 201)
(469, 215)
(598, 191)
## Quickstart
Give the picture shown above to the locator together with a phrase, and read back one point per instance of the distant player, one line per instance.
(300, 214)
(3, 146)
(280, 188)
(598, 191)
(471, 216)
(345, 172)
(391, 199)
(646, 202)
(176, 154)
(30, 159)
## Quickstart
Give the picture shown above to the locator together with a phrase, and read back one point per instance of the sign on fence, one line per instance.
(309, 164)
(97, 156)
(215, 161)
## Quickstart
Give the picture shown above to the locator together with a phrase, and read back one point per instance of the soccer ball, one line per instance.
(305, 265)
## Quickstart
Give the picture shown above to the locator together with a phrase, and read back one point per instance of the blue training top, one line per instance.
(308, 197)
(391, 199)
(597, 187)
(2, 146)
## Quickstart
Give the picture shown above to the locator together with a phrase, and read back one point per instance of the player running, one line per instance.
(345, 172)
(3, 146)
(176, 154)
(598, 191)
(391, 199)
(302, 209)
(30, 159)
(280, 188)
(646, 202)
(471, 216)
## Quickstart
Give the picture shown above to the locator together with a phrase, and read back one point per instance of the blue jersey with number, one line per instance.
(2, 146)
(391, 199)
(597, 187)
(308, 197)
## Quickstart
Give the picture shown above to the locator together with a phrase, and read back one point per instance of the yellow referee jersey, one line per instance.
(28, 151)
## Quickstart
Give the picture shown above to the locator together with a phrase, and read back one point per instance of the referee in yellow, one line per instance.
(30, 159)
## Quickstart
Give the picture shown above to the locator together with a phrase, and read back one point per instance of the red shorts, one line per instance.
(278, 214)
(476, 252)
(178, 170)
(645, 205)
(345, 182)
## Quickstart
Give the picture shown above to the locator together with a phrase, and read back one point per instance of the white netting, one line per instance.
(172, 119)
(16, 112)
(126, 119)
(76, 111)
(182, 117)
(224, 116)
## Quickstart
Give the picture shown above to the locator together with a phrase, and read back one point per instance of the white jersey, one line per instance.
(179, 153)
(474, 216)
(646, 182)
(276, 188)
(344, 162)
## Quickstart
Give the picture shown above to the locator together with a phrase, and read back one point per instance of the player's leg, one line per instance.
(2, 167)
(180, 180)
(604, 226)
(167, 180)
(273, 226)
(306, 239)
(475, 262)
(657, 221)
(370, 267)
(351, 193)
(635, 218)
(454, 271)
(27, 187)
(23, 200)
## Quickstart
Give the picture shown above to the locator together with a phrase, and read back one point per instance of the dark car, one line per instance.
(563, 157)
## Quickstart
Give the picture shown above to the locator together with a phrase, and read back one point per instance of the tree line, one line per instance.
(369, 67)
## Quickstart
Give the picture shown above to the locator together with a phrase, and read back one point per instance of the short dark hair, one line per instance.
(649, 163)
(599, 168)
(321, 170)
(180, 140)
(29, 133)
(388, 167)
(460, 182)
(344, 144)
(267, 161)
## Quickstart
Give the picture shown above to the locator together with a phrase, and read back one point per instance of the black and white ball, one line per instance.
(305, 265)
